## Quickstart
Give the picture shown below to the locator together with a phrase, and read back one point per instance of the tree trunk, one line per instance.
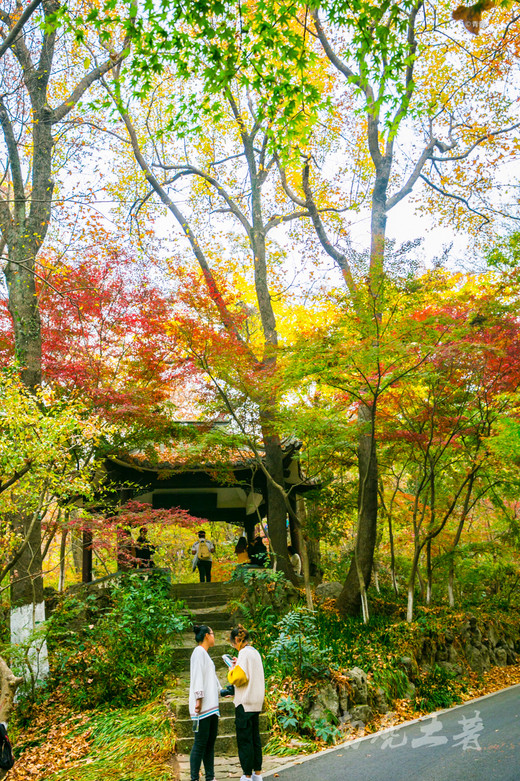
(376, 576)
(350, 598)
(451, 578)
(429, 574)
(8, 686)
(276, 507)
(23, 306)
(300, 535)
(395, 585)
(411, 585)
(63, 557)
(27, 603)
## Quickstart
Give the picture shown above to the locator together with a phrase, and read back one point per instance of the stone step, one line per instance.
(198, 601)
(215, 618)
(226, 726)
(182, 711)
(182, 590)
(225, 745)
(180, 656)
(184, 727)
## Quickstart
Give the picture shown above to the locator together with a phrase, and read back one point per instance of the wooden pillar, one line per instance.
(293, 525)
(249, 526)
(86, 563)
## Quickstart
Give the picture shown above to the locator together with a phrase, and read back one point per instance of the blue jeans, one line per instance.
(204, 748)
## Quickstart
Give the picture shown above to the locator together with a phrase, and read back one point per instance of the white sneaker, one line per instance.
(245, 778)
(256, 778)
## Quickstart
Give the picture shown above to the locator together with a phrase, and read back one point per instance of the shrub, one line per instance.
(297, 650)
(436, 689)
(122, 655)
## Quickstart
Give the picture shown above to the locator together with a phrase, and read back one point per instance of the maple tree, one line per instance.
(222, 164)
(399, 66)
(442, 419)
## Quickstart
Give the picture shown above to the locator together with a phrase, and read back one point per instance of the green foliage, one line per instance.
(250, 576)
(436, 689)
(123, 655)
(297, 648)
(290, 714)
(291, 717)
(392, 680)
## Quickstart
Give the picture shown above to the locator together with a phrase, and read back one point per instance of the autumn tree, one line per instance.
(233, 174)
(427, 112)
(441, 418)
(41, 89)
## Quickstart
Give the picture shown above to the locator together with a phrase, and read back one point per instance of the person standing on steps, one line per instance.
(144, 550)
(247, 676)
(203, 704)
(202, 551)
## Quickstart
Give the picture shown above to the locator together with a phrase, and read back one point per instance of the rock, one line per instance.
(407, 663)
(454, 670)
(501, 657)
(325, 702)
(343, 695)
(361, 713)
(282, 596)
(452, 655)
(478, 659)
(492, 635)
(301, 744)
(379, 701)
(358, 682)
(328, 591)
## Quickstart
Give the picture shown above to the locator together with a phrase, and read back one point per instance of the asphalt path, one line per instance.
(477, 741)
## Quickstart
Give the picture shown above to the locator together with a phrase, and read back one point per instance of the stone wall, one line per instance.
(473, 645)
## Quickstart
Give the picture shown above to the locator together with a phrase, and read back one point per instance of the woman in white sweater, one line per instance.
(247, 676)
(203, 704)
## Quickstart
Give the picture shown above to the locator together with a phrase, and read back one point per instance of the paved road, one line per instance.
(478, 741)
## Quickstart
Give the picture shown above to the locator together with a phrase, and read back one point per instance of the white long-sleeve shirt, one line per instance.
(204, 684)
(251, 694)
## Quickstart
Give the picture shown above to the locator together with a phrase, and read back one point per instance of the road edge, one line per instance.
(300, 760)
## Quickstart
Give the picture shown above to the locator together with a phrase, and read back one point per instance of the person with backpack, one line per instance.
(202, 551)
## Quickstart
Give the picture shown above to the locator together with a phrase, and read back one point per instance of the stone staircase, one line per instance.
(207, 604)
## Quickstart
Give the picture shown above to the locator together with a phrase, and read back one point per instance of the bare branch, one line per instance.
(16, 476)
(480, 140)
(191, 170)
(414, 176)
(279, 219)
(94, 75)
(456, 198)
(13, 33)
(327, 245)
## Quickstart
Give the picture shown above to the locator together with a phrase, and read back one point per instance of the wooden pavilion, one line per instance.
(235, 493)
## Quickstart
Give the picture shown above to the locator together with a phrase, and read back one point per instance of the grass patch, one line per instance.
(126, 745)
(123, 744)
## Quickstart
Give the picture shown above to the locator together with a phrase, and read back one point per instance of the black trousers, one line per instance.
(204, 748)
(247, 726)
(204, 568)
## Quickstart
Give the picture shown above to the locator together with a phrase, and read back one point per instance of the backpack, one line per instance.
(203, 553)
(6, 752)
